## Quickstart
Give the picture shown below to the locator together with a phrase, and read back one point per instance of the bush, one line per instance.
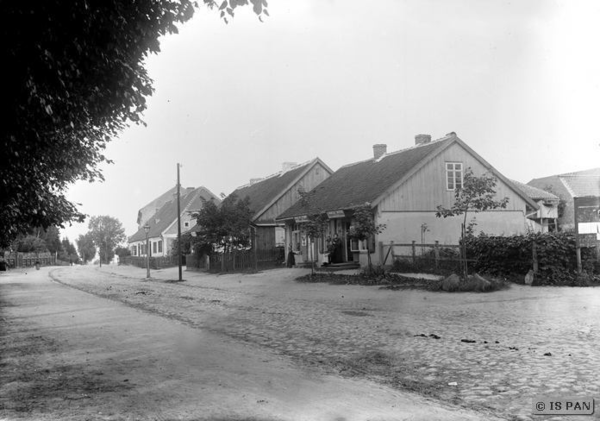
(512, 256)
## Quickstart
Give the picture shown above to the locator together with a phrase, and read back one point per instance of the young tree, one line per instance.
(106, 232)
(363, 228)
(86, 247)
(477, 194)
(77, 79)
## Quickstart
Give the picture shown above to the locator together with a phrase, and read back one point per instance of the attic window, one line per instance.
(454, 175)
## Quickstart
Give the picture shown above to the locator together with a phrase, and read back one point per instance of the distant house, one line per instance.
(404, 189)
(154, 206)
(569, 186)
(163, 223)
(545, 218)
(272, 195)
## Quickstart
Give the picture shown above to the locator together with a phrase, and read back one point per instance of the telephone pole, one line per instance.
(179, 223)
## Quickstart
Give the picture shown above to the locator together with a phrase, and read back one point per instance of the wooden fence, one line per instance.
(156, 262)
(19, 260)
(427, 256)
(246, 260)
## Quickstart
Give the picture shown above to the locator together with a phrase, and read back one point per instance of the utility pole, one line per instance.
(178, 223)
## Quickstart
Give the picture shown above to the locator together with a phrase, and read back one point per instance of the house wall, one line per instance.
(412, 206)
(405, 227)
(151, 242)
(315, 176)
(185, 217)
(426, 189)
(265, 238)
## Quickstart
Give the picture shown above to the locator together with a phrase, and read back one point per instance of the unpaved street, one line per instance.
(519, 343)
(70, 355)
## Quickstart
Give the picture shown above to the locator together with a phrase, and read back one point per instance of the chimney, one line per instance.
(379, 150)
(286, 166)
(422, 139)
(254, 180)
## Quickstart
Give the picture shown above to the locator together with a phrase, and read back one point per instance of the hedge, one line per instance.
(512, 256)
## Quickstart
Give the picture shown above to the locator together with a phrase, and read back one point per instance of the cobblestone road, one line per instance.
(501, 349)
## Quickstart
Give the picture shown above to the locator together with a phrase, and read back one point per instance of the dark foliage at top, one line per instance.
(74, 78)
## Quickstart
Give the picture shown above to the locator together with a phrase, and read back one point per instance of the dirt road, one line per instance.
(69, 355)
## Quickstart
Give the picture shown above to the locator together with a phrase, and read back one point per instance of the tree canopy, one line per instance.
(86, 247)
(106, 232)
(226, 226)
(75, 78)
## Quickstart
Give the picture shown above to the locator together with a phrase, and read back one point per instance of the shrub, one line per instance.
(512, 256)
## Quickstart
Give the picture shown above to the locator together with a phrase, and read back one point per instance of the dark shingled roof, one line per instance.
(355, 184)
(166, 215)
(265, 191)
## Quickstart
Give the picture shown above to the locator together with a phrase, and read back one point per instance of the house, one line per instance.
(154, 206)
(568, 187)
(272, 195)
(545, 218)
(163, 224)
(404, 189)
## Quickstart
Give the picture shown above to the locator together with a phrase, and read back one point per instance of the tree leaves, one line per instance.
(77, 79)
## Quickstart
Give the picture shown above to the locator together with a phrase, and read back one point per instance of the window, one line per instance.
(186, 224)
(160, 246)
(454, 175)
(154, 245)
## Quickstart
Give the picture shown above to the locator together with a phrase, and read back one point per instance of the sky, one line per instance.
(518, 81)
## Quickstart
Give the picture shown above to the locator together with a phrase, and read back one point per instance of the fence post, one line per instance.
(436, 253)
(380, 251)
(535, 258)
(414, 252)
(392, 251)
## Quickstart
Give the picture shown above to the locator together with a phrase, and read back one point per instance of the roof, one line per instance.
(159, 202)
(371, 180)
(534, 192)
(264, 193)
(167, 214)
(577, 184)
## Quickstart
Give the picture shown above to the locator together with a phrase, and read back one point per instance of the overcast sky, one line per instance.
(518, 81)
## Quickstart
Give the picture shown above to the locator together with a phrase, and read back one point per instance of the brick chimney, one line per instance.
(422, 139)
(379, 150)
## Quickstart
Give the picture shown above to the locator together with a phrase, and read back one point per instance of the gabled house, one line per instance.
(154, 206)
(567, 187)
(163, 224)
(272, 195)
(545, 218)
(404, 189)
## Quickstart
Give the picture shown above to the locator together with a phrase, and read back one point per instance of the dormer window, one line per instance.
(454, 175)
